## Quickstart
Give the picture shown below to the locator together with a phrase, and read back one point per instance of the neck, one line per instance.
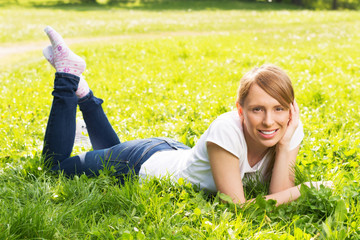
(255, 151)
(255, 157)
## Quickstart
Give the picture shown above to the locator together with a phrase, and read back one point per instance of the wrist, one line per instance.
(283, 147)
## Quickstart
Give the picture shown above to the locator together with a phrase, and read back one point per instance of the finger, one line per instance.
(54, 37)
(294, 114)
(291, 111)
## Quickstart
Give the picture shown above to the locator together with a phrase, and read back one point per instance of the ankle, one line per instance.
(83, 88)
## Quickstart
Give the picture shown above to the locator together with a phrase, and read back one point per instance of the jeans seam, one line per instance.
(147, 150)
(85, 98)
(108, 154)
(67, 75)
(173, 147)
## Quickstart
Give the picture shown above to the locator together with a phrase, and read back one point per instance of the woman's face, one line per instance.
(264, 118)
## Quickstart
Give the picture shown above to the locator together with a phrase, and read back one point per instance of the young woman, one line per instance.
(262, 136)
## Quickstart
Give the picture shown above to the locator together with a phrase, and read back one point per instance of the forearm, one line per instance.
(282, 173)
(293, 193)
(285, 196)
(288, 195)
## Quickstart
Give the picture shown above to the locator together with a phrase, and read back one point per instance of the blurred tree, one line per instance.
(88, 1)
(334, 5)
(297, 2)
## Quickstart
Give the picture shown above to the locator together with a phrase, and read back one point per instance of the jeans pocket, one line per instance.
(125, 156)
(115, 165)
(147, 149)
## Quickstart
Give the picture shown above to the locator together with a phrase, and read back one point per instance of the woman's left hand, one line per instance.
(293, 123)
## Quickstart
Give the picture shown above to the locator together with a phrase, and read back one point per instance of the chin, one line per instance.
(270, 143)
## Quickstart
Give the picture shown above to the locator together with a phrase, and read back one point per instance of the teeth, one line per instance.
(268, 132)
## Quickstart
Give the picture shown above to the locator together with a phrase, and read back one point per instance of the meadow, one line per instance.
(169, 69)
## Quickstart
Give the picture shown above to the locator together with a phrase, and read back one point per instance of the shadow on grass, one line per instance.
(160, 5)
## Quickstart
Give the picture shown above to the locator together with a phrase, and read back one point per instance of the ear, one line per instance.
(240, 110)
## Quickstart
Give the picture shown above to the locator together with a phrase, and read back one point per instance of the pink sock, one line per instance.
(63, 59)
(49, 55)
(83, 87)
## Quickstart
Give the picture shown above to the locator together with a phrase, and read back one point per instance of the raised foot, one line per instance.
(63, 59)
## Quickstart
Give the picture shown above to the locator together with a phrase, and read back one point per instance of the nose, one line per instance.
(268, 120)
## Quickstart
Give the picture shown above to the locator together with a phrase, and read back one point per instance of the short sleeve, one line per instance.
(227, 135)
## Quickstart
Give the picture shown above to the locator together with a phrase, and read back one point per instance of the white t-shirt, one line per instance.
(193, 164)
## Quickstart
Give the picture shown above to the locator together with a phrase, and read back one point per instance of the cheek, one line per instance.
(249, 120)
(283, 119)
(252, 122)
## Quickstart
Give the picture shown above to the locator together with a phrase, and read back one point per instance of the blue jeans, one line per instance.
(108, 151)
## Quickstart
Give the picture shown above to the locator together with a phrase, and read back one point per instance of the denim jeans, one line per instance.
(108, 151)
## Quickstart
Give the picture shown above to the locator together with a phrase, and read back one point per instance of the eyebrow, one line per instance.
(260, 105)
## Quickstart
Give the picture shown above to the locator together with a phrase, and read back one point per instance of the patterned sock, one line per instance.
(48, 54)
(63, 58)
(83, 87)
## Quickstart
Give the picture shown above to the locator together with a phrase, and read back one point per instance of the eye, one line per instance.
(279, 109)
(256, 109)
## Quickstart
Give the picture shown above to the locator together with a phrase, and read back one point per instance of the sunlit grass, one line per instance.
(201, 16)
(175, 86)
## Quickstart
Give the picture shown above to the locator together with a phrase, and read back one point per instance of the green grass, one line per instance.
(200, 16)
(154, 85)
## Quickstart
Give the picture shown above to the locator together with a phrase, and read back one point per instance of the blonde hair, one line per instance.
(275, 82)
(272, 79)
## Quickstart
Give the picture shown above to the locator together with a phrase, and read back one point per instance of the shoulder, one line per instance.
(228, 120)
(226, 131)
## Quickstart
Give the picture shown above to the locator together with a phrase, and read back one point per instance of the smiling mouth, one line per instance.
(268, 133)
